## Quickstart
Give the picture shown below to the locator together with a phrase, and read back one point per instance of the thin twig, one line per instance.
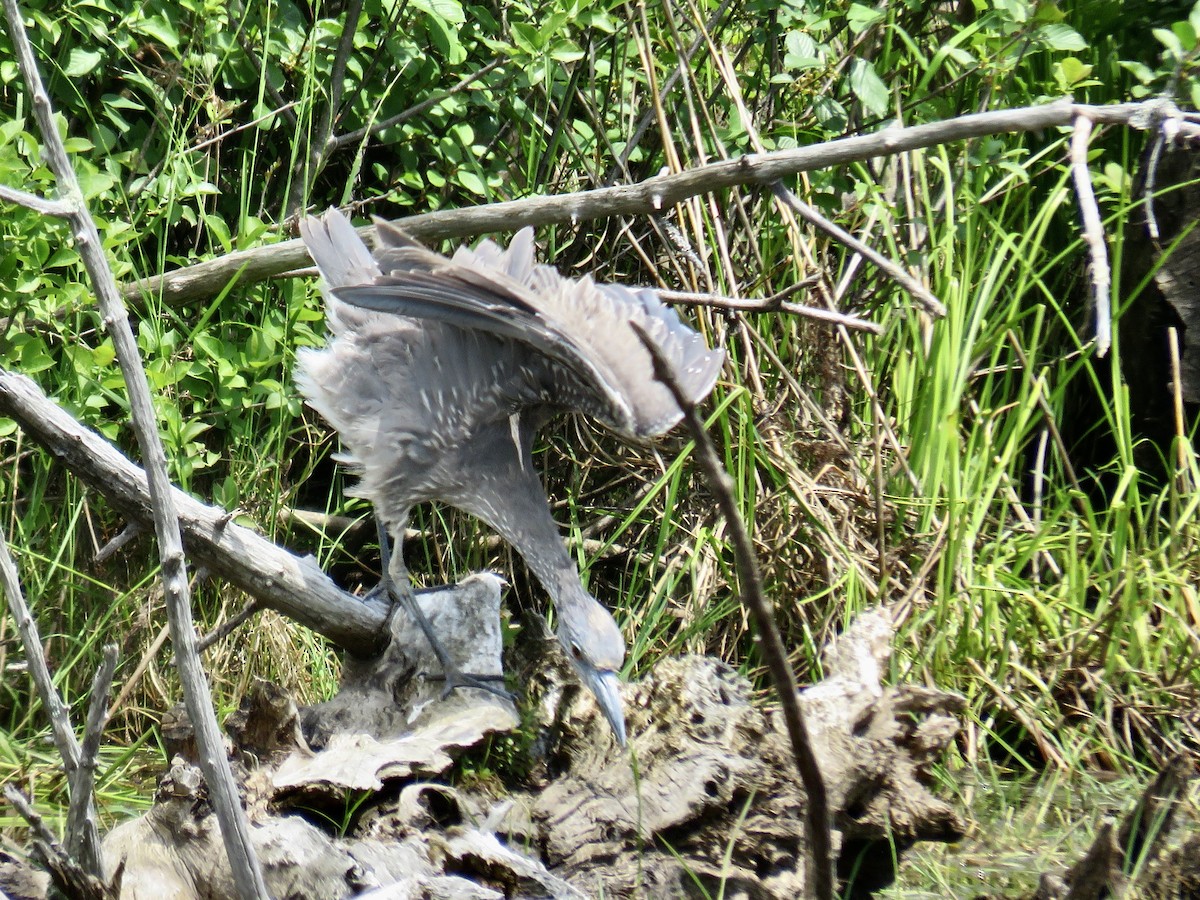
(750, 581)
(774, 303)
(128, 533)
(228, 627)
(234, 829)
(225, 135)
(66, 874)
(135, 677)
(352, 137)
(919, 292)
(83, 834)
(1093, 233)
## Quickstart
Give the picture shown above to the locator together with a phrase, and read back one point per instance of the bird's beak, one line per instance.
(607, 689)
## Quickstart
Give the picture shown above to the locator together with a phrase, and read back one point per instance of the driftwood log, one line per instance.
(353, 797)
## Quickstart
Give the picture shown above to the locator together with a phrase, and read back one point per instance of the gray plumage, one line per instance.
(439, 371)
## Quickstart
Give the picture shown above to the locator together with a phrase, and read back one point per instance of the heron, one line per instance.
(438, 374)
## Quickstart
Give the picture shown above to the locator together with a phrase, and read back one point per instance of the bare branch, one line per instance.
(1093, 233)
(128, 533)
(295, 586)
(652, 195)
(234, 829)
(83, 833)
(58, 208)
(919, 292)
(750, 583)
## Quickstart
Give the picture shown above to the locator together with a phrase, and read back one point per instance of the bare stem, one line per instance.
(750, 580)
(235, 830)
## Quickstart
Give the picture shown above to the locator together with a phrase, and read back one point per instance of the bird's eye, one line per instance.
(576, 651)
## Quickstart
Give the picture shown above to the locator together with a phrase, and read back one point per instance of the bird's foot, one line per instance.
(456, 678)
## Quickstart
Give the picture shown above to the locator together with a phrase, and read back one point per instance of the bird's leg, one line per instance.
(396, 582)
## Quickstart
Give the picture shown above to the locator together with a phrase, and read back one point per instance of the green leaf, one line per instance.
(1186, 35)
(449, 11)
(1062, 37)
(1073, 71)
(830, 114)
(161, 29)
(868, 87)
(1168, 39)
(471, 182)
(526, 37)
(566, 51)
(81, 62)
(860, 17)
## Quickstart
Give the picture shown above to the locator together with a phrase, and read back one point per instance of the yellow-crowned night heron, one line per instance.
(439, 371)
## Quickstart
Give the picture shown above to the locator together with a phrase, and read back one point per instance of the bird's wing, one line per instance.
(342, 258)
(582, 327)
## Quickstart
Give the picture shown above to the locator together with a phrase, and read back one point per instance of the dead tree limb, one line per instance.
(655, 194)
(292, 585)
(86, 833)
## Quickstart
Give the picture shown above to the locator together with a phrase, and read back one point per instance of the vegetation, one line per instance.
(986, 472)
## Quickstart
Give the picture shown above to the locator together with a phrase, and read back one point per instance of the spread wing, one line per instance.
(586, 356)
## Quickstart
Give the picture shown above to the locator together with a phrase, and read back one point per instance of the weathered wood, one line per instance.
(292, 585)
(342, 790)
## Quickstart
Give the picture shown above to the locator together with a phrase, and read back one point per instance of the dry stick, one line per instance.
(1093, 233)
(135, 678)
(66, 874)
(820, 874)
(234, 829)
(919, 292)
(60, 719)
(81, 813)
(1181, 438)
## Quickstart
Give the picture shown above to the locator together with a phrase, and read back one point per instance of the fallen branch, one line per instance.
(655, 194)
(292, 585)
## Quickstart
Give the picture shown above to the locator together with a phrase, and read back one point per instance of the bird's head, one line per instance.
(596, 649)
